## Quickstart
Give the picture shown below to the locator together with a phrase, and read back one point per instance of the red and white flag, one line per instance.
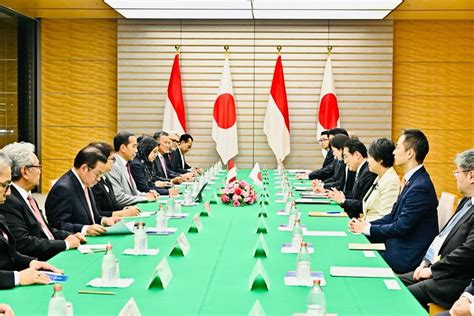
(277, 122)
(224, 123)
(256, 175)
(231, 172)
(328, 110)
(174, 117)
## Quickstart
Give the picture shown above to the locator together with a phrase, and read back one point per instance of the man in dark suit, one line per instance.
(161, 168)
(447, 266)
(15, 268)
(327, 169)
(413, 223)
(70, 204)
(178, 160)
(355, 156)
(103, 191)
(33, 236)
(174, 142)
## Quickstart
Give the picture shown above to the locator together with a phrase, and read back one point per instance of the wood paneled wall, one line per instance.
(78, 89)
(433, 90)
(362, 67)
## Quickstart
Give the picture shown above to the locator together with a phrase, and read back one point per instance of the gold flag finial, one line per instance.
(226, 50)
(279, 50)
(329, 50)
(177, 48)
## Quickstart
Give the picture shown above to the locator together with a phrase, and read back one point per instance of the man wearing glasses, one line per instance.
(34, 237)
(15, 268)
(70, 204)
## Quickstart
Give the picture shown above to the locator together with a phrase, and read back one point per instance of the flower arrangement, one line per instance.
(238, 193)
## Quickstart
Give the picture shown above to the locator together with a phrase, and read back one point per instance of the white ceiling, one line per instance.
(254, 9)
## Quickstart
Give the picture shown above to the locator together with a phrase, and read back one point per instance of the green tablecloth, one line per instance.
(213, 278)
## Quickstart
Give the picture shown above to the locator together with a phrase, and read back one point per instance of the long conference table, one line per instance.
(213, 278)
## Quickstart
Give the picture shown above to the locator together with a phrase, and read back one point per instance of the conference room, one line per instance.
(238, 157)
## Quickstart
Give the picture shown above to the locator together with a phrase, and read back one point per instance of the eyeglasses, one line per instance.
(34, 166)
(175, 141)
(455, 172)
(321, 140)
(5, 185)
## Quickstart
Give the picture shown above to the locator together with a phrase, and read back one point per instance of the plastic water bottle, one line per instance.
(57, 304)
(297, 237)
(140, 238)
(316, 301)
(170, 205)
(303, 263)
(109, 267)
(293, 216)
(161, 219)
(188, 195)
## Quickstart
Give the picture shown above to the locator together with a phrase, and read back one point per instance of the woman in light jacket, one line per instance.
(382, 195)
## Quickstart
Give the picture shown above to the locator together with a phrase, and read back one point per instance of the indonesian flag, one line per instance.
(277, 123)
(232, 172)
(224, 124)
(328, 110)
(174, 118)
(256, 175)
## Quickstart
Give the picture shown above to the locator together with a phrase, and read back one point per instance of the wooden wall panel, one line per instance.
(362, 66)
(79, 89)
(433, 89)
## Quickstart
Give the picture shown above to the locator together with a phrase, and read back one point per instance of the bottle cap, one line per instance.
(304, 244)
(57, 287)
(316, 281)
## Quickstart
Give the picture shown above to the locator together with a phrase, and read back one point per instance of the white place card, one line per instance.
(183, 243)
(258, 271)
(257, 309)
(163, 273)
(130, 309)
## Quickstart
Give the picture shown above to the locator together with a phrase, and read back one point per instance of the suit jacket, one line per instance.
(27, 231)
(411, 225)
(159, 173)
(177, 164)
(10, 259)
(327, 170)
(126, 193)
(470, 288)
(353, 203)
(379, 200)
(66, 206)
(105, 198)
(144, 178)
(453, 272)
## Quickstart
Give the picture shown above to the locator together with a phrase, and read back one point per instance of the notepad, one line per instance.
(321, 233)
(314, 195)
(301, 188)
(362, 272)
(327, 214)
(120, 228)
(354, 246)
(98, 282)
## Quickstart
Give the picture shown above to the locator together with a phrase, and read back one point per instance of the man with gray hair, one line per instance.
(15, 268)
(34, 237)
(446, 268)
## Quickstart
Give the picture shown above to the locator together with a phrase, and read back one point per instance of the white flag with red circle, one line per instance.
(224, 123)
(256, 175)
(277, 122)
(174, 117)
(328, 116)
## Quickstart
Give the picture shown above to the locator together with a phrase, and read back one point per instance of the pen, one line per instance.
(95, 292)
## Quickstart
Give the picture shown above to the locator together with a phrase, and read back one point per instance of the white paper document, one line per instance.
(120, 228)
(142, 215)
(302, 188)
(86, 249)
(363, 272)
(355, 246)
(165, 231)
(312, 201)
(321, 233)
(147, 252)
(122, 283)
(392, 284)
(369, 254)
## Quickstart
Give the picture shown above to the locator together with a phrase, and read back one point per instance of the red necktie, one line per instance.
(39, 218)
(86, 193)
(130, 178)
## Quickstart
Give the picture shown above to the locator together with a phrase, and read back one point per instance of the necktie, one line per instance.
(403, 184)
(130, 178)
(88, 199)
(163, 165)
(39, 218)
